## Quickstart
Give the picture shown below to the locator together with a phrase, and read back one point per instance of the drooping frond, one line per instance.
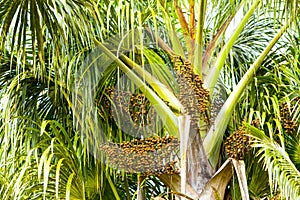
(282, 171)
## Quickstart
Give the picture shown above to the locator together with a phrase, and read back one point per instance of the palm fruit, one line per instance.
(237, 144)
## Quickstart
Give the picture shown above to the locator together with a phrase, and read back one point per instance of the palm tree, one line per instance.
(62, 63)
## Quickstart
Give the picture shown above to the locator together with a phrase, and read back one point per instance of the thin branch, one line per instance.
(192, 19)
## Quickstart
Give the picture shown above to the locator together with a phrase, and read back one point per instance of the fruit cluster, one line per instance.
(133, 109)
(150, 156)
(193, 96)
(287, 112)
(237, 144)
(216, 106)
(256, 123)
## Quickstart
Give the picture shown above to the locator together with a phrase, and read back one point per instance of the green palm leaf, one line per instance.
(281, 169)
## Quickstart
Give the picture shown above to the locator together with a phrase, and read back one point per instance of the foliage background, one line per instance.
(44, 44)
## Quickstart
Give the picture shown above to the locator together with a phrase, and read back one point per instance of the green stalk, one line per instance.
(162, 91)
(182, 21)
(214, 72)
(112, 185)
(192, 19)
(176, 45)
(213, 44)
(199, 39)
(127, 187)
(213, 140)
(185, 29)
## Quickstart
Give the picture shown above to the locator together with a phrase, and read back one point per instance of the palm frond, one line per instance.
(282, 171)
